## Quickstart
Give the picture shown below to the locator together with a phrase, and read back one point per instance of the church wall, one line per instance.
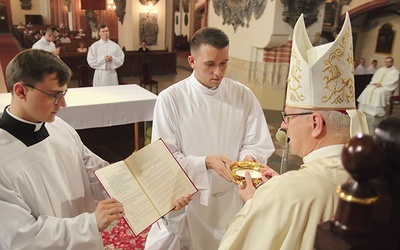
(18, 14)
(267, 79)
(128, 34)
(182, 19)
(356, 3)
(250, 47)
(367, 39)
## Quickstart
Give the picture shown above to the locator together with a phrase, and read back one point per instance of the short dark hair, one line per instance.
(33, 65)
(50, 30)
(208, 36)
(102, 26)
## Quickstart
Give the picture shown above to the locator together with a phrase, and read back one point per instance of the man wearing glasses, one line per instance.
(319, 116)
(47, 41)
(47, 186)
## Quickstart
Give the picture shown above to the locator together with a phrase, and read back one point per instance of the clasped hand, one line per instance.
(108, 58)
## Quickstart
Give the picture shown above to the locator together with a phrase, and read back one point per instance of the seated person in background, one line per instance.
(28, 31)
(81, 33)
(29, 25)
(37, 36)
(143, 48)
(284, 212)
(360, 69)
(82, 48)
(64, 38)
(20, 26)
(375, 96)
(372, 68)
(76, 35)
(59, 45)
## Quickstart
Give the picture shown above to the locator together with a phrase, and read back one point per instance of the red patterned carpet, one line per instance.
(120, 237)
(8, 49)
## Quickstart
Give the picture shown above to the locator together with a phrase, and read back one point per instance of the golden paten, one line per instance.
(238, 170)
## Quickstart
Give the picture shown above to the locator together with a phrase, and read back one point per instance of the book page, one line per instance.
(120, 184)
(160, 176)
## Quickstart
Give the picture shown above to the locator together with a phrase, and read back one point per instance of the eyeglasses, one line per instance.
(285, 117)
(57, 96)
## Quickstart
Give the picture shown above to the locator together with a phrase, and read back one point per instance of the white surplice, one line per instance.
(46, 192)
(285, 211)
(43, 44)
(373, 100)
(105, 72)
(360, 70)
(371, 70)
(196, 122)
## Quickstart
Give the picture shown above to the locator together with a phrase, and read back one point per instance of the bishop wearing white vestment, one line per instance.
(284, 212)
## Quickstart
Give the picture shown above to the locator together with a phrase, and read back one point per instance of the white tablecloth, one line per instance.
(93, 107)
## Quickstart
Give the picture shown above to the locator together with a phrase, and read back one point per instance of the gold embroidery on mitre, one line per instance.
(294, 80)
(340, 87)
(350, 60)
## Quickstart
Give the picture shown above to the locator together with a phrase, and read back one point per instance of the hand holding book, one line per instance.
(107, 211)
(147, 195)
(182, 202)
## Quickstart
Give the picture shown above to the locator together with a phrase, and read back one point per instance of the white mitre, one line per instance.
(322, 77)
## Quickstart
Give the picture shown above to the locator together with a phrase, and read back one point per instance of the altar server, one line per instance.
(208, 122)
(47, 187)
(105, 56)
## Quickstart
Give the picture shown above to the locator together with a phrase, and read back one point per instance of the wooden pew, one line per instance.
(161, 62)
(27, 40)
(361, 81)
(71, 47)
(368, 213)
(181, 42)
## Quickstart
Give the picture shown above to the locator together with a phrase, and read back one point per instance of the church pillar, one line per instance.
(45, 11)
(70, 20)
(126, 30)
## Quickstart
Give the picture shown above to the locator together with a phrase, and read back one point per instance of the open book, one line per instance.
(147, 183)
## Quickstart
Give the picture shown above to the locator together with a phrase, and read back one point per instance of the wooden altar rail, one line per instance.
(161, 62)
(368, 213)
(27, 40)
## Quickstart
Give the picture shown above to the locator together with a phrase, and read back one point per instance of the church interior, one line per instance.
(259, 53)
